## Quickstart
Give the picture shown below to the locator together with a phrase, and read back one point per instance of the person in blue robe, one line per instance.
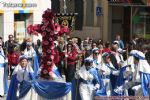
(25, 86)
(88, 82)
(139, 76)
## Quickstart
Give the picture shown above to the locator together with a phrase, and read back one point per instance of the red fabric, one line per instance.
(56, 57)
(106, 50)
(13, 59)
(71, 59)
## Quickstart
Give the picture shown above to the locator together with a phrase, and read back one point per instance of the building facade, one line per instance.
(16, 15)
(124, 17)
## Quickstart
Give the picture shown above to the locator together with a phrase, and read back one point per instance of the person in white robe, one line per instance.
(2, 71)
(23, 85)
(30, 53)
(96, 56)
(106, 70)
(86, 86)
(138, 65)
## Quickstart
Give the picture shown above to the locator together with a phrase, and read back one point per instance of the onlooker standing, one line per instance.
(121, 44)
(71, 60)
(38, 49)
(107, 47)
(13, 60)
(1, 41)
(9, 43)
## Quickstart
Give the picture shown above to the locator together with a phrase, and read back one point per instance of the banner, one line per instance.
(67, 20)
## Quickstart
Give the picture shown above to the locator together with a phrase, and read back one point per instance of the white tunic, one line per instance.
(86, 90)
(2, 61)
(30, 54)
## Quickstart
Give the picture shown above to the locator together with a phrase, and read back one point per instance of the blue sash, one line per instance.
(2, 65)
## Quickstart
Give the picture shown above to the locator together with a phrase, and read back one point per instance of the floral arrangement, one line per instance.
(49, 31)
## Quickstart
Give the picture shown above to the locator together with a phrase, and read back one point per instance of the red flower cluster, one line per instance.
(49, 31)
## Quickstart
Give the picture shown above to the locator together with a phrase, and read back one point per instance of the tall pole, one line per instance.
(131, 24)
(144, 25)
(65, 7)
(65, 11)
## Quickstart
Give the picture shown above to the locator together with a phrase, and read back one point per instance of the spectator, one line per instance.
(121, 44)
(107, 47)
(9, 43)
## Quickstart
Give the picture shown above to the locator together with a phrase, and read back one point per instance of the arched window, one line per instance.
(55, 6)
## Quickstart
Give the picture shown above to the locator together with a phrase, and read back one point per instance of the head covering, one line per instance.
(121, 50)
(95, 50)
(116, 42)
(105, 55)
(90, 60)
(29, 43)
(23, 57)
(137, 54)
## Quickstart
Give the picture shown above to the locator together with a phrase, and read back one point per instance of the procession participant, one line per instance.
(117, 61)
(96, 58)
(139, 75)
(22, 72)
(107, 69)
(32, 56)
(90, 83)
(3, 72)
(116, 51)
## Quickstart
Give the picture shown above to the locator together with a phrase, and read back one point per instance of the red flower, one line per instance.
(43, 28)
(33, 29)
(43, 33)
(44, 54)
(48, 14)
(45, 42)
(52, 27)
(57, 28)
(45, 21)
(50, 39)
(48, 51)
(64, 30)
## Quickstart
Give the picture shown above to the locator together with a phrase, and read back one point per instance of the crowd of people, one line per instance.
(103, 68)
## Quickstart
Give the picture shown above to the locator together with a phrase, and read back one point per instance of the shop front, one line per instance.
(129, 18)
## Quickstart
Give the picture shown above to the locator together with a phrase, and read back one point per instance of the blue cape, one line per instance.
(99, 92)
(46, 89)
(145, 82)
(36, 65)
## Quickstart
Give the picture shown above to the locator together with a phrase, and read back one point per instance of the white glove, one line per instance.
(115, 73)
(136, 88)
(77, 76)
(97, 86)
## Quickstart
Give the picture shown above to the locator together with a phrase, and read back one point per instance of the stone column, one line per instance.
(105, 7)
(8, 24)
(95, 16)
